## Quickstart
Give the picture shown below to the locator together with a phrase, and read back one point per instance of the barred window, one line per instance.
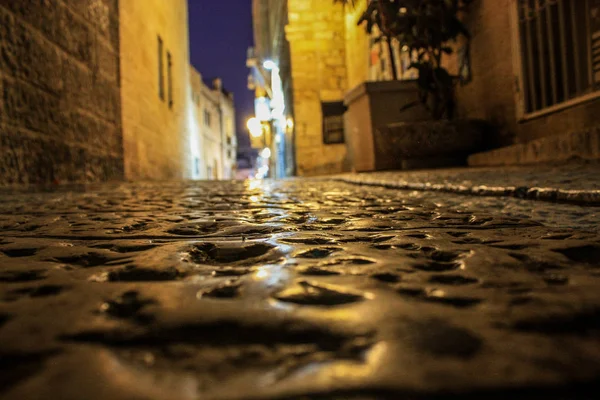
(333, 122)
(560, 50)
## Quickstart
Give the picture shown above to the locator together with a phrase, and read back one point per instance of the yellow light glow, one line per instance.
(255, 127)
(290, 123)
(265, 153)
(262, 273)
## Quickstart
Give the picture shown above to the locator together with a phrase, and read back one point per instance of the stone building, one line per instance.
(60, 104)
(157, 137)
(538, 86)
(94, 90)
(316, 33)
(215, 119)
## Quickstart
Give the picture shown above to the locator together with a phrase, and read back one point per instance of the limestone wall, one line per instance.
(59, 91)
(158, 136)
(229, 138)
(357, 46)
(211, 131)
(493, 92)
(197, 145)
(316, 32)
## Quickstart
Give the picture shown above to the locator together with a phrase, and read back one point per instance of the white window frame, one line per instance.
(520, 75)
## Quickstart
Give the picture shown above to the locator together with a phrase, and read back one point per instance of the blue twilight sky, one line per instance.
(220, 33)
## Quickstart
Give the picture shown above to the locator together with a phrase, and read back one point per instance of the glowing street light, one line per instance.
(270, 65)
(265, 153)
(255, 127)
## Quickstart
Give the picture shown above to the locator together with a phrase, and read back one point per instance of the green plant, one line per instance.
(424, 28)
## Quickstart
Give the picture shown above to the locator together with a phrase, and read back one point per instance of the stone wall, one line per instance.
(357, 46)
(197, 145)
(158, 137)
(59, 91)
(211, 131)
(316, 32)
(492, 94)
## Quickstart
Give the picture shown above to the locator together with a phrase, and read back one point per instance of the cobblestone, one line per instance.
(575, 183)
(291, 290)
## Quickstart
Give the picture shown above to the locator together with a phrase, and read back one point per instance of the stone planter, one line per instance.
(371, 105)
(427, 144)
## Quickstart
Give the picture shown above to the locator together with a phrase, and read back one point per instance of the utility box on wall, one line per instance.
(372, 105)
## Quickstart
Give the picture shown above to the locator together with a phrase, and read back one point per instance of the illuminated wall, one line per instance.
(211, 132)
(159, 139)
(316, 33)
(59, 92)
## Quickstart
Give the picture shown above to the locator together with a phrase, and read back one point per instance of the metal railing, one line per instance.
(560, 50)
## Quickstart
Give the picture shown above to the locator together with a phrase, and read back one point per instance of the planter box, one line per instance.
(372, 105)
(429, 144)
(380, 135)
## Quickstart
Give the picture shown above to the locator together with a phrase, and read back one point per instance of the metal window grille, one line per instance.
(333, 122)
(560, 50)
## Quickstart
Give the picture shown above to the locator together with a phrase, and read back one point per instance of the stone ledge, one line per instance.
(576, 145)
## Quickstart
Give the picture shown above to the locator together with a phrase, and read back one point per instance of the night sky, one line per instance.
(220, 34)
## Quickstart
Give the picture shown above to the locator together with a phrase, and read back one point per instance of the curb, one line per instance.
(554, 195)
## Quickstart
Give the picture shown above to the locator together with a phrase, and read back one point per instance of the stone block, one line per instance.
(584, 144)
(92, 92)
(31, 159)
(95, 132)
(102, 15)
(29, 107)
(25, 54)
(106, 61)
(59, 91)
(427, 144)
(57, 23)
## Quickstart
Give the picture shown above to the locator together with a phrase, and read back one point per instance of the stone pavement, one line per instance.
(296, 289)
(575, 182)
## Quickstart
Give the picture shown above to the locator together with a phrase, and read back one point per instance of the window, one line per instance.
(161, 77)
(333, 122)
(206, 117)
(560, 51)
(170, 79)
(197, 165)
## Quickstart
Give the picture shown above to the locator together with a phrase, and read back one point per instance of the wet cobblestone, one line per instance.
(571, 183)
(294, 289)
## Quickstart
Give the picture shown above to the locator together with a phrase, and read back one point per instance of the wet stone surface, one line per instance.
(290, 290)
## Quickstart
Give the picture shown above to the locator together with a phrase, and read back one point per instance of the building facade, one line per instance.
(156, 90)
(316, 33)
(215, 121)
(103, 90)
(60, 104)
(539, 87)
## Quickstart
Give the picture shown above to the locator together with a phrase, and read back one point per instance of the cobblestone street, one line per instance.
(295, 289)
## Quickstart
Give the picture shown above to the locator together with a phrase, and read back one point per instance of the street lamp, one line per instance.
(265, 153)
(270, 65)
(255, 127)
